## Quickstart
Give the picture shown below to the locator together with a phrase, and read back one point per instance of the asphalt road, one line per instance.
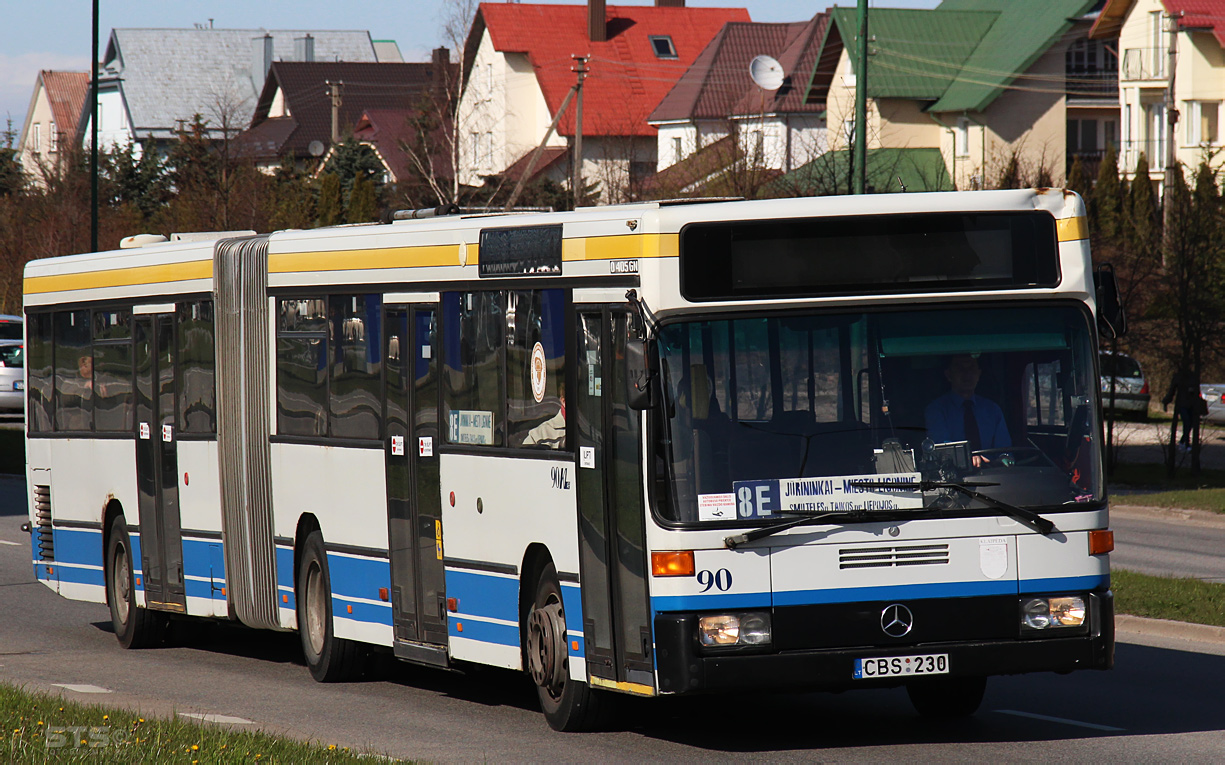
(1161, 703)
(1169, 543)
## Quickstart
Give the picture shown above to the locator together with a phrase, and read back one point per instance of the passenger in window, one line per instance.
(552, 432)
(963, 415)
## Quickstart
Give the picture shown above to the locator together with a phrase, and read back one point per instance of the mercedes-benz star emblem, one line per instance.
(896, 620)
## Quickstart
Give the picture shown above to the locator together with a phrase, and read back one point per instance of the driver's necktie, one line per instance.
(971, 425)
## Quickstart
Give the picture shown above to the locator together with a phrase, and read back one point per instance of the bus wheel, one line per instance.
(135, 627)
(568, 705)
(330, 659)
(947, 697)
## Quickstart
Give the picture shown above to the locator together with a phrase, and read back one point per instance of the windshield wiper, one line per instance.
(1021, 515)
(736, 540)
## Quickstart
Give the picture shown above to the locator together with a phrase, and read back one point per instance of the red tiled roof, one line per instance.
(1200, 14)
(67, 93)
(626, 78)
(550, 156)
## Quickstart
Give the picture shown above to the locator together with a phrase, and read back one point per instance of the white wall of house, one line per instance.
(502, 113)
(676, 140)
(114, 127)
(781, 142)
(39, 148)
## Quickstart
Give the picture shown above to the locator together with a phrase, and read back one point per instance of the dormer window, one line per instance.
(663, 47)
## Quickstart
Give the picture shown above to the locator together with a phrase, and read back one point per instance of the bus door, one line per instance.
(612, 530)
(157, 463)
(414, 504)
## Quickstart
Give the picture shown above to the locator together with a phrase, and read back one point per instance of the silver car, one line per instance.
(1214, 394)
(1131, 392)
(12, 378)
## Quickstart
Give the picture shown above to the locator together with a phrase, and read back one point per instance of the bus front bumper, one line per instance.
(684, 667)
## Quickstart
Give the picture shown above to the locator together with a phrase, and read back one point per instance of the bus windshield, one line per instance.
(775, 415)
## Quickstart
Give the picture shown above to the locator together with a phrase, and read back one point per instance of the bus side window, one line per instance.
(535, 369)
(112, 365)
(357, 365)
(197, 368)
(40, 352)
(474, 332)
(74, 374)
(301, 367)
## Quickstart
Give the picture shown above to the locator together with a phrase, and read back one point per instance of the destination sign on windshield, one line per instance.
(825, 494)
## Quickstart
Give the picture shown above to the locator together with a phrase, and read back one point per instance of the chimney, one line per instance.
(261, 60)
(597, 21)
(669, 3)
(440, 64)
(304, 48)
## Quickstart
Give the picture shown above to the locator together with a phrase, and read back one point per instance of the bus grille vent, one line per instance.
(42, 510)
(887, 557)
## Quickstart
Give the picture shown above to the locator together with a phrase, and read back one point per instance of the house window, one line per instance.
(963, 137)
(476, 149)
(489, 82)
(54, 139)
(36, 138)
(1201, 121)
(1109, 137)
(677, 149)
(663, 47)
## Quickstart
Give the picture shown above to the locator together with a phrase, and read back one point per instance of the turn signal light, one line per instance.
(672, 563)
(1101, 541)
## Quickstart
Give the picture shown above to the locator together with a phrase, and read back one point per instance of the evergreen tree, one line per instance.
(1106, 204)
(1078, 181)
(363, 207)
(293, 198)
(331, 205)
(1142, 229)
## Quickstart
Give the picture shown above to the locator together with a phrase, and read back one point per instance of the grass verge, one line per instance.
(1193, 499)
(40, 727)
(1158, 597)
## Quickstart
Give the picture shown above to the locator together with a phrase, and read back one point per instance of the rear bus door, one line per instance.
(612, 530)
(414, 509)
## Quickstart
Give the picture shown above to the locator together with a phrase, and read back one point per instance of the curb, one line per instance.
(1139, 625)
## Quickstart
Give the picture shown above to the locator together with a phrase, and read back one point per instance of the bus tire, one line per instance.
(947, 697)
(135, 627)
(329, 658)
(568, 705)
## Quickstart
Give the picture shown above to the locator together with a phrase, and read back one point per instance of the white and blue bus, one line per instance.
(649, 449)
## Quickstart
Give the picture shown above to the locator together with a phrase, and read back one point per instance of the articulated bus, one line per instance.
(662, 448)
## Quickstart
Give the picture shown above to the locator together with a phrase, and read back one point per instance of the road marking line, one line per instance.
(216, 718)
(1064, 720)
(82, 688)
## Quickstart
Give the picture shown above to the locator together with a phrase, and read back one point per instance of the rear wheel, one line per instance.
(330, 659)
(568, 705)
(947, 697)
(135, 627)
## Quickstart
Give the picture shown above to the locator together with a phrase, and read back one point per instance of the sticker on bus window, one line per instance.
(471, 427)
(537, 368)
(825, 494)
(716, 507)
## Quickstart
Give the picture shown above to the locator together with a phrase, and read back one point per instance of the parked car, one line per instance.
(1131, 394)
(12, 378)
(1214, 394)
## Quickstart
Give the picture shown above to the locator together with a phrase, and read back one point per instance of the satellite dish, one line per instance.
(315, 148)
(766, 72)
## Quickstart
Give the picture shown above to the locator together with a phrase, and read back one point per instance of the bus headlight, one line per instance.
(1052, 613)
(734, 629)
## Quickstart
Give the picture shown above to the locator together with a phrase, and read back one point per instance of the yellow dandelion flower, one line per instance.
(106, 717)
(195, 747)
(331, 746)
(140, 719)
(40, 722)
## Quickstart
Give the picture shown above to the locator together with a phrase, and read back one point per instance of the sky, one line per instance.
(55, 34)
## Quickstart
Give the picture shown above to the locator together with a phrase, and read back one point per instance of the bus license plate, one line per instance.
(900, 666)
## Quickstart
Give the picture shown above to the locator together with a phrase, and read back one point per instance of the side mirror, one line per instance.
(1111, 318)
(639, 381)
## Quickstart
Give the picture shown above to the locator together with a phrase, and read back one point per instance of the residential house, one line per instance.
(50, 129)
(1091, 70)
(776, 129)
(306, 107)
(519, 66)
(1147, 31)
(984, 81)
(154, 81)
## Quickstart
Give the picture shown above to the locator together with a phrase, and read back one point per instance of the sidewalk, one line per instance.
(1143, 442)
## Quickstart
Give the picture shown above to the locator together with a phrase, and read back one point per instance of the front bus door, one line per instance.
(414, 505)
(157, 463)
(612, 530)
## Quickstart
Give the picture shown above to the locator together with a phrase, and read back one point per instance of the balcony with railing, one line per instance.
(1092, 84)
(1153, 150)
(1145, 63)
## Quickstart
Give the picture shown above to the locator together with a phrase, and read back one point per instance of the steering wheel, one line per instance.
(1015, 456)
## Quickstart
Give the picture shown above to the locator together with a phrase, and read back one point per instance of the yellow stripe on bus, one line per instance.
(120, 277)
(620, 685)
(355, 260)
(1072, 229)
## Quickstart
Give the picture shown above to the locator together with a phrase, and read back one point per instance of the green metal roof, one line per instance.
(916, 53)
(1023, 32)
(962, 55)
(888, 171)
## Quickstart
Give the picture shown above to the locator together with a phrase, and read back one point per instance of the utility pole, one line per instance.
(93, 140)
(531, 164)
(1171, 114)
(860, 156)
(580, 69)
(334, 93)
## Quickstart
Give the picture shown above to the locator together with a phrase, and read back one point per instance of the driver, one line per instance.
(963, 415)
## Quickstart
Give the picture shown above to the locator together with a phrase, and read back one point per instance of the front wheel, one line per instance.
(135, 627)
(947, 697)
(329, 658)
(568, 705)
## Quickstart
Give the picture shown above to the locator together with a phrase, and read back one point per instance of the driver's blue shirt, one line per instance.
(946, 421)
